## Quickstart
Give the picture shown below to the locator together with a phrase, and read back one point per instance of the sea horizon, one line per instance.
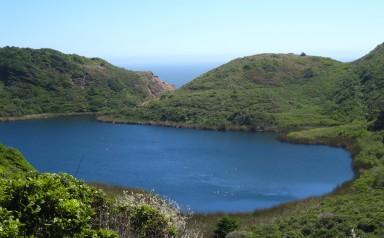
(176, 74)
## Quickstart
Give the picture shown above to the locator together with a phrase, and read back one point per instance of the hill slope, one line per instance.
(12, 162)
(262, 91)
(47, 81)
(370, 72)
(274, 90)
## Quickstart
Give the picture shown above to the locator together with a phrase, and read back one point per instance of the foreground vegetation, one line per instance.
(58, 205)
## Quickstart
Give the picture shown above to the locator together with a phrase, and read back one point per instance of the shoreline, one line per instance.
(106, 119)
(49, 115)
(350, 144)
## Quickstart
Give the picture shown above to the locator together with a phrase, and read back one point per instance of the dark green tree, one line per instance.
(225, 225)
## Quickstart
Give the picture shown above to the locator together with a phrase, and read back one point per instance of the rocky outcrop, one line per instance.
(157, 87)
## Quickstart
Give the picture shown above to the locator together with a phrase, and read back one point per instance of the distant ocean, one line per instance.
(176, 74)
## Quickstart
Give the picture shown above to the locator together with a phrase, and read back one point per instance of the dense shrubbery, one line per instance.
(337, 216)
(50, 205)
(58, 205)
(225, 225)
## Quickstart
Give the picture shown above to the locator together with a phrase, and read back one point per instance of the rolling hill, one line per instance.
(47, 81)
(273, 91)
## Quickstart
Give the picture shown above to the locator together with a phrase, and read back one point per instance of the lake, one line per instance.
(207, 171)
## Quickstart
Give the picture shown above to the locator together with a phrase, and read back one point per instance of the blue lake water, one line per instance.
(205, 170)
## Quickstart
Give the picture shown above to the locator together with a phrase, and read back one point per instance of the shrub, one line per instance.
(366, 225)
(9, 226)
(146, 221)
(225, 225)
(149, 215)
(49, 205)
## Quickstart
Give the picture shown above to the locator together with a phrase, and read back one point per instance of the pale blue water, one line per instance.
(206, 170)
(176, 74)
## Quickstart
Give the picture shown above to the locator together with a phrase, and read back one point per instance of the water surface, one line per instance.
(176, 74)
(206, 170)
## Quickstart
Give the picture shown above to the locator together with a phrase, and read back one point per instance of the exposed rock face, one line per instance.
(157, 87)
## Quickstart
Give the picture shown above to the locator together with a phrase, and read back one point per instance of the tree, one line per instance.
(225, 225)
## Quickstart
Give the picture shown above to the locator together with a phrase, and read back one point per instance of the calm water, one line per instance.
(176, 74)
(206, 170)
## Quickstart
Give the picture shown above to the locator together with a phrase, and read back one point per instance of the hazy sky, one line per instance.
(156, 31)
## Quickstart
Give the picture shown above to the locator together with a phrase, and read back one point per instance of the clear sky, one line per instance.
(158, 31)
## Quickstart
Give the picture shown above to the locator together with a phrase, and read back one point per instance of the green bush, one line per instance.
(225, 225)
(9, 226)
(146, 221)
(366, 225)
(49, 205)
(149, 215)
(58, 205)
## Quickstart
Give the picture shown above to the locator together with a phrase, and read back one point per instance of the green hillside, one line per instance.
(12, 162)
(47, 81)
(370, 86)
(257, 92)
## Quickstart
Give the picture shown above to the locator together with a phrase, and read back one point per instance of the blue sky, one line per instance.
(160, 31)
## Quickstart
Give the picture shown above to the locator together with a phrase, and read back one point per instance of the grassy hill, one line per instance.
(370, 85)
(260, 92)
(47, 81)
(12, 162)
